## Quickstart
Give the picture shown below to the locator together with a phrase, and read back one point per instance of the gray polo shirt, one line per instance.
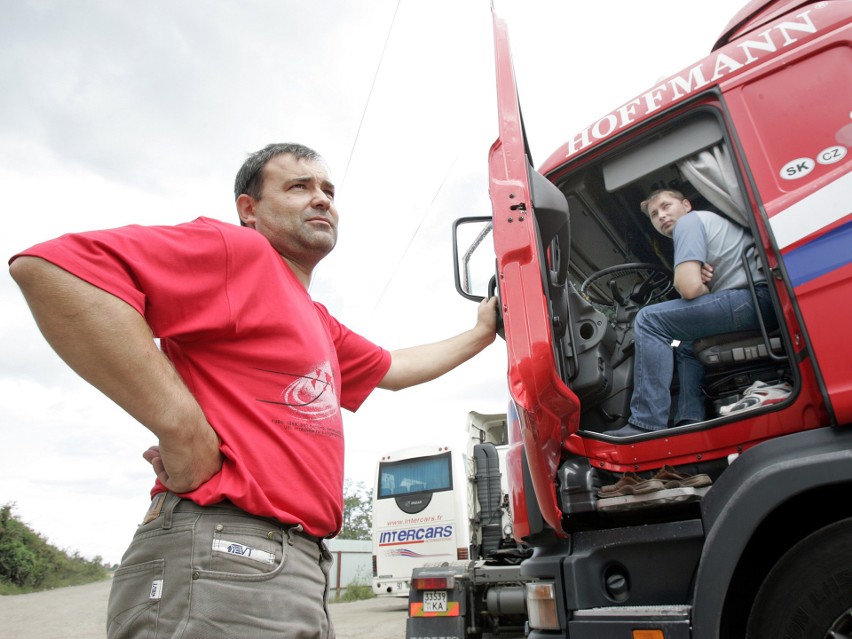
(703, 236)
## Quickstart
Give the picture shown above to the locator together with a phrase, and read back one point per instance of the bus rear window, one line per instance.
(418, 475)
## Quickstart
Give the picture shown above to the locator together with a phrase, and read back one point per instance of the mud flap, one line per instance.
(434, 628)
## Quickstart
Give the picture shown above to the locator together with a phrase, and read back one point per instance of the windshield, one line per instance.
(423, 474)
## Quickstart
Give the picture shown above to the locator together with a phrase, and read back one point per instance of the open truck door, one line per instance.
(531, 240)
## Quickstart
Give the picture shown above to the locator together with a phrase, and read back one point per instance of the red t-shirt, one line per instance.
(270, 367)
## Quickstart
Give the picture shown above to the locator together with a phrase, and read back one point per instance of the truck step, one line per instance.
(650, 500)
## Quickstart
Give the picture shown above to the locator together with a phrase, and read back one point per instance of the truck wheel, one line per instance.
(808, 593)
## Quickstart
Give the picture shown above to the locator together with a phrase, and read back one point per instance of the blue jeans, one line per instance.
(658, 325)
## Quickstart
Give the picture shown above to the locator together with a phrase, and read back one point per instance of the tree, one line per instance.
(357, 511)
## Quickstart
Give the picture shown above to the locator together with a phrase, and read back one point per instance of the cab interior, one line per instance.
(604, 261)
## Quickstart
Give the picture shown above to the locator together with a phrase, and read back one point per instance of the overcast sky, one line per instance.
(114, 113)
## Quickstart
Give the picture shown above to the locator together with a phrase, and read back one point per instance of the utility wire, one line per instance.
(355, 143)
(416, 231)
(370, 94)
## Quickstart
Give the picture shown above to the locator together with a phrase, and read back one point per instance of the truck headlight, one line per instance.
(541, 605)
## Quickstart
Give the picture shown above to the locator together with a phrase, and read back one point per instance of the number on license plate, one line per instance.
(434, 601)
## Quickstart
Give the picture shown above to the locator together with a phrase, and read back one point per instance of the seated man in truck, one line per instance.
(716, 299)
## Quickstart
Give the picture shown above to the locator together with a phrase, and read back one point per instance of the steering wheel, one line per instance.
(639, 283)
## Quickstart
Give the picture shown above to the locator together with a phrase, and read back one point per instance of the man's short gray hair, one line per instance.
(250, 176)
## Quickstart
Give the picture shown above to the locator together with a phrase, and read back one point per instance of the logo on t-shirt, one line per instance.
(311, 395)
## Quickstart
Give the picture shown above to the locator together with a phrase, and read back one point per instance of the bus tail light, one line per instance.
(433, 583)
(541, 606)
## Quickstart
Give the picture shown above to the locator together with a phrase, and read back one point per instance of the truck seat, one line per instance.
(733, 349)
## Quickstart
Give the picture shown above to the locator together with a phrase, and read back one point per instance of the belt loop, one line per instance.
(293, 531)
(172, 501)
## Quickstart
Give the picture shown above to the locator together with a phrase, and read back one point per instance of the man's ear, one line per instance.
(245, 209)
(687, 205)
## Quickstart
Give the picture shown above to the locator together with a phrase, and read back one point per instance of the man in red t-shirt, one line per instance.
(243, 394)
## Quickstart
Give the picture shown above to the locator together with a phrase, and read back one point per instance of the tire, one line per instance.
(808, 594)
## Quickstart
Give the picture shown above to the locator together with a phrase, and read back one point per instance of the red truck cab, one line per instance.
(759, 131)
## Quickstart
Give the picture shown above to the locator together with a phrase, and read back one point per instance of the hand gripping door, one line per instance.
(531, 243)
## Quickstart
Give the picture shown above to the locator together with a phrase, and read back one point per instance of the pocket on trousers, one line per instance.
(245, 550)
(744, 316)
(135, 597)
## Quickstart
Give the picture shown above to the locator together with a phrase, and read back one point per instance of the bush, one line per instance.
(355, 592)
(29, 563)
(359, 588)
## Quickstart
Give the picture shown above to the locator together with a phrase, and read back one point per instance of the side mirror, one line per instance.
(473, 256)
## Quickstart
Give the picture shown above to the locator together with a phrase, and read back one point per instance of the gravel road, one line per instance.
(79, 612)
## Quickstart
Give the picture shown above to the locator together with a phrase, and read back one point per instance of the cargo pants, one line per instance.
(205, 572)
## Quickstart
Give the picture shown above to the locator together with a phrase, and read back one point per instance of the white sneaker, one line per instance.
(758, 394)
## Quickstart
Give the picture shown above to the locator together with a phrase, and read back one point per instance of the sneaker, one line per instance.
(672, 478)
(757, 395)
(630, 484)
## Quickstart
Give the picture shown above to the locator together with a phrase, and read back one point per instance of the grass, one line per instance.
(354, 592)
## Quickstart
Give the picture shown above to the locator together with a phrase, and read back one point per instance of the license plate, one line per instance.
(434, 601)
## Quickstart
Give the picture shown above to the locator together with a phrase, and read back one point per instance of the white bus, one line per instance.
(423, 505)
(419, 514)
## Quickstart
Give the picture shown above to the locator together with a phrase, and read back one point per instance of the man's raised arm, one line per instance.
(418, 364)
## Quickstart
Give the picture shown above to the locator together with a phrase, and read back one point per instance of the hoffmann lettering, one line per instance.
(709, 71)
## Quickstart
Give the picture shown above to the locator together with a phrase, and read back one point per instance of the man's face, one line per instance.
(665, 210)
(296, 210)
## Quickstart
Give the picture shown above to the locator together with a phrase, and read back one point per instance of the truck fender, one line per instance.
(757, 483)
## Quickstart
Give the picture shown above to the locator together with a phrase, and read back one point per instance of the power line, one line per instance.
(370, 94)
(416, 231)
(355, 143)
